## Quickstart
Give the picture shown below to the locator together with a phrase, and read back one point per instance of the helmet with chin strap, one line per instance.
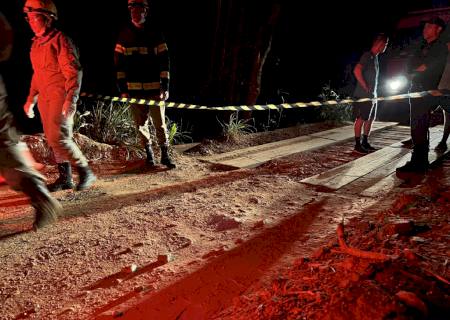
(46, 7)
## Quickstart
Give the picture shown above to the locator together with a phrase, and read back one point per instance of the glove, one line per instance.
(29, 109)
(164, 95)
(69, 109)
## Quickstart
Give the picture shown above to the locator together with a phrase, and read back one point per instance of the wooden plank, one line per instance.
(185, 147)
(359, 175)
(332, 178)
(270, 151)
(255, 149)
(348, 132)
(390, 181)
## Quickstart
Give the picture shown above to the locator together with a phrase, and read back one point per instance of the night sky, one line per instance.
(313, 41)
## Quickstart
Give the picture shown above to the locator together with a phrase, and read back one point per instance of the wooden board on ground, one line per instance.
(390, 181)
(185, 147)
(372, 173)
(257, 155)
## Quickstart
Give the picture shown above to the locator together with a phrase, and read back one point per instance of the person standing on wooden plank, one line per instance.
(427, 66)
(366, 72)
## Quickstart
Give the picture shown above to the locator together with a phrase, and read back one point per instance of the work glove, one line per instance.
(164, 95)
(69, 109)
(29, 109)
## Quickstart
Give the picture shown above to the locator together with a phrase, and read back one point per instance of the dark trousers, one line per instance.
(420, 110)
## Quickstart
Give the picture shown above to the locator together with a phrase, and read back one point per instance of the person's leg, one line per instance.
(358, 126)
(158, 116)
(369, 116)
(420, 117)
(51, 122)
(68, 149)
(365, 140)
(19, 174)
(17, 170)
(140, 115)
(442, 145)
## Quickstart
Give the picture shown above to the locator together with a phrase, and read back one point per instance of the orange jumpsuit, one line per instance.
(56, 80)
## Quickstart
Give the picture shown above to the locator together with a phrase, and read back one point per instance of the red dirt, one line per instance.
(193, 243)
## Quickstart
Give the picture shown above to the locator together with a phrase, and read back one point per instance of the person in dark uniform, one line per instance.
(445, 103)
(427, 66)
(15, 168)
(142, 65)
(366, 72)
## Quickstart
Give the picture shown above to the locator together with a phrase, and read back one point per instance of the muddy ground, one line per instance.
(199, 242)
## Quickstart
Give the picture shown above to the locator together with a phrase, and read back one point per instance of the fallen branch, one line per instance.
(356, 252)
(437, 276)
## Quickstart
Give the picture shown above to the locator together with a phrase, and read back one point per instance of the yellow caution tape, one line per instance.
(175, 105)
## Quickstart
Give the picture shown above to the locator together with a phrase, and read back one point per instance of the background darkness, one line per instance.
(311, 45)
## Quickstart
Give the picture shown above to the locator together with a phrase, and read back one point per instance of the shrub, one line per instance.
(235, 127)
(107, 122)
(339, 112)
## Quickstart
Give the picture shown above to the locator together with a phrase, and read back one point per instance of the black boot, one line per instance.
(418, 165)
(86, 178)
(441, 147)
(64, 180)
(150, 156)
(408, 144)
(359, 148)
(47, 208)
(366, 145)
(165, 158)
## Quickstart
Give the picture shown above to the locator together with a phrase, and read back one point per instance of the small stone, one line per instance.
(130, 269)
(398, 226)
(165, 258)
(417, 240)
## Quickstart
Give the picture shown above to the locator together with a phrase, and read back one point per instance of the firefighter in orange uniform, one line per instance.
(14, 167)
(142, 64)
(55, 88)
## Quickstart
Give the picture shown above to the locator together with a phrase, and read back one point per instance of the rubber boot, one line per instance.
(86, 178)
(165, 158)
(64, 180)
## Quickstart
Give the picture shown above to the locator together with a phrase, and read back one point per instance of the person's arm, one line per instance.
(358, 72)
(119, 63)
(28, 108)
(69, 62)
(164, 67)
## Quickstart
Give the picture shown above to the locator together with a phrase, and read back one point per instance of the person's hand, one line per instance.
(164, 95)
(69, 109)
(28, 108)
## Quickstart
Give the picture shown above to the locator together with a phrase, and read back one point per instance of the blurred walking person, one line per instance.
(14, 167)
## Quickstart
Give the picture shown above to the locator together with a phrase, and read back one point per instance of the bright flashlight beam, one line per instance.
(396, 84)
